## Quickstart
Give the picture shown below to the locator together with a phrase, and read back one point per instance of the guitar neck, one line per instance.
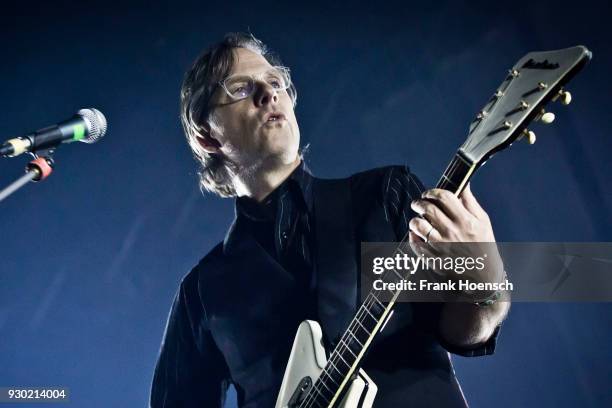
(457, 174)
(535, 80)
(373, 313)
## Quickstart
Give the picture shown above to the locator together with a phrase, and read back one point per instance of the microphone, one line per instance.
(87, 125)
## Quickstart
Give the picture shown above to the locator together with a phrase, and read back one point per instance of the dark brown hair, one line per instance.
(199, 85)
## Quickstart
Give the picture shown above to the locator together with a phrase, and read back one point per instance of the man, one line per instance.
(235, 314)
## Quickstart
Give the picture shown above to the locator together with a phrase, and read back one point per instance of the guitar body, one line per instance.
(307, 361)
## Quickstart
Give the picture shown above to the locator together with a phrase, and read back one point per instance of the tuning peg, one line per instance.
(547, 117)
(566, 97)
(531, 137)
(482, 114)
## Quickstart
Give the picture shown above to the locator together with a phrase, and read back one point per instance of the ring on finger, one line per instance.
(428, 233)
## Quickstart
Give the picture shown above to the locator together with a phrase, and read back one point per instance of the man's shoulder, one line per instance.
(382, 170)
(379, 173)
(377, 180)
(374, 176)
(205, 265)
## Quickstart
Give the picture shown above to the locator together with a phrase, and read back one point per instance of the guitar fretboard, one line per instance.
(373, 312)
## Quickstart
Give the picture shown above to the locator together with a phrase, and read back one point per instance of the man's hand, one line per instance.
(447, 218)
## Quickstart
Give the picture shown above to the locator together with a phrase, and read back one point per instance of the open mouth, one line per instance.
(275, 117)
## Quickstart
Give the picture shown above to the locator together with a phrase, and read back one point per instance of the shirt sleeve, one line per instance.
(189, 372)
(400, 188)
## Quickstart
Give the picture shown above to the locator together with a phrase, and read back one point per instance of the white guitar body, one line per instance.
(307, 361)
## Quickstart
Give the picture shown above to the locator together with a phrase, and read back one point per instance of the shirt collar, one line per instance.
(298, 184)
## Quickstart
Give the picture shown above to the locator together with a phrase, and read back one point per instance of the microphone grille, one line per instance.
(97, 124)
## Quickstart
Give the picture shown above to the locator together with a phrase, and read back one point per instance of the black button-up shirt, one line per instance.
(236, 313)
(282, 225)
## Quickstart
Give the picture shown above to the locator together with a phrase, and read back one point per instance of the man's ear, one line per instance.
(207, 142)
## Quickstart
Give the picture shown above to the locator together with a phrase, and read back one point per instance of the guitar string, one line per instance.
(448, 175)
(336, 354)
(363, 309)
(349, 336)
(333, 360)
(366, 306)
(343, 344)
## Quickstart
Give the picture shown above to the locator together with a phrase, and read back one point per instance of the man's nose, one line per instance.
(265, 94)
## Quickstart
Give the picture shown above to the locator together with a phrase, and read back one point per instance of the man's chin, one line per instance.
(275, 139)
(278, 154)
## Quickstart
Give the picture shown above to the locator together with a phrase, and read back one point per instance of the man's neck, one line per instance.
(263, 181)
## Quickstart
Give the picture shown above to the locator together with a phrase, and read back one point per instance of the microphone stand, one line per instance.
(36, 170)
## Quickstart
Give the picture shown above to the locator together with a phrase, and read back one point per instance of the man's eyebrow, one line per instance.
(253, 73)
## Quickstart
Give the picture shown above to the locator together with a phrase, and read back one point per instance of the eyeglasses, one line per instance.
(239, 86)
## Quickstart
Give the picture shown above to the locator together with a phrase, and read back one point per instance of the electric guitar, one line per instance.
(313, 379)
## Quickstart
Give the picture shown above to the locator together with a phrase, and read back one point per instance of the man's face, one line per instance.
(249, 137)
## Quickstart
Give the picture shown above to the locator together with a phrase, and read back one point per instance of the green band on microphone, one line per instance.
(79, 132)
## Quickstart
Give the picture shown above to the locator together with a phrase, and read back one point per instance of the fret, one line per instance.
(326, 387)
(368, 312)
(320, 404)
(456, 175)
(354, 337)
(353, 342)
(348, 358)
(331, 377)
(343, 360)
(334, 366)
(397, 274)
(449, 180)
(325, 398)
(336, 376)
(347, 347)
(463, 160)
(360, 333)
(332, 388)
(377, 309)
(315, 400)
(376, 299)
(362, 326)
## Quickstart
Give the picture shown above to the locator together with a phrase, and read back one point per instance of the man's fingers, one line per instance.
(424, 230)
(447, 202)
(432, 213)
(412, 237)
(471, 204)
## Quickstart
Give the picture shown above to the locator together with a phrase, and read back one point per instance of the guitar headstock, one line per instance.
(535, 80)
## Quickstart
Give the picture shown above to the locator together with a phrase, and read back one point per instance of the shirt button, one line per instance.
(284, 235)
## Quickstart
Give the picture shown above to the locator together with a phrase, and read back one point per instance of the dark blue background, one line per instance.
(90, 259)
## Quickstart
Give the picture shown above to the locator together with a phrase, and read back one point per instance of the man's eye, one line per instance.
(276, 82)
(239, 90)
